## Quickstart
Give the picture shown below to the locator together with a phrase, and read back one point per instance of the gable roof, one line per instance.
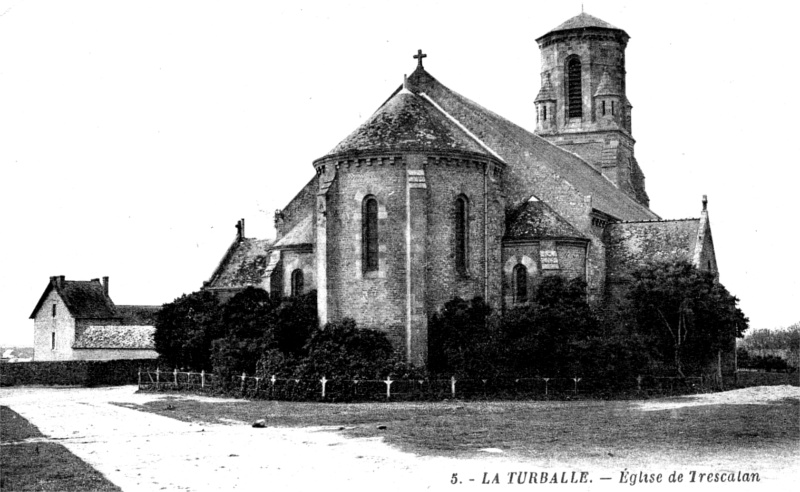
(302, 233)
(116, 337)
(631, 244)
(84, 299)
(534, 219)
(526, 153)
(243, 264)
(407, 122)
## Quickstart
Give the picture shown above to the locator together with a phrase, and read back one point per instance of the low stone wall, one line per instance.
(72, 373)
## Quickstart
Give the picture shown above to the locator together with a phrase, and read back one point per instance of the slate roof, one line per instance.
(534, 219)
(85, 299)
(407, 122)
(530, 158)
(116, 337)
(137, 315)
(630, 244)
(302, 233)
(583, 21)
(243, 265)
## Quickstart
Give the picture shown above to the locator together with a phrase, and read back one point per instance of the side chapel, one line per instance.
(435, 196)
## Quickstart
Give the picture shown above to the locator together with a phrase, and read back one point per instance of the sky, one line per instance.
(134, 134)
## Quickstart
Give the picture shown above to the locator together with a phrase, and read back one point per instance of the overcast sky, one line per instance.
(134, 134)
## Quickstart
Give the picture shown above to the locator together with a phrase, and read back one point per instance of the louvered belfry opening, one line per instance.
(574, 99)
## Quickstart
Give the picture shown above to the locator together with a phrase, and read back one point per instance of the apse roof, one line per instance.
(408, 122)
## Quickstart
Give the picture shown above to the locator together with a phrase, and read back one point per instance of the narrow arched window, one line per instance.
(544, 113)
(604, 108)
(461, 217)
(370, 234)
(297, 282)
(520, 284)
(574, 99)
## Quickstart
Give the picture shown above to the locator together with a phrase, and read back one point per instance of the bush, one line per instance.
(185, 329)
(342, 350)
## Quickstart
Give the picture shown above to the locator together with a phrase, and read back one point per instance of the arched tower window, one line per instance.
(574, 97)
(461, 230)
(297, 282)
(370, 234)
(520, 283)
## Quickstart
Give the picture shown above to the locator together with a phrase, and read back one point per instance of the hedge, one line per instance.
(72, 373)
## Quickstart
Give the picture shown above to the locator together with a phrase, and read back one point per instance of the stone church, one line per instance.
(435, 196)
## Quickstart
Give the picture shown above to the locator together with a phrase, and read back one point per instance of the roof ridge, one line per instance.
(462, 127)
(653, 220)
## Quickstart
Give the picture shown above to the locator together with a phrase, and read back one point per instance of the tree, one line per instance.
(342, 350)
(185, 329)
(686, 313)
(243, 326)
(464, 341)
(552, 334)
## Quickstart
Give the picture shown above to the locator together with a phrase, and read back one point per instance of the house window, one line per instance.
(53, 341)
(54, 309)
(370, 234)
(604, 108)
(520, 284)
(461, 230)
(297, 282)
(544, 113)
(574, 97)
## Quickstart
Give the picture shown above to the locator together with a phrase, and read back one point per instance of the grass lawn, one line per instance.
(593, 432)
(41, 466)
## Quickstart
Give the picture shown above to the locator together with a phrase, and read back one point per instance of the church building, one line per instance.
(435, 196)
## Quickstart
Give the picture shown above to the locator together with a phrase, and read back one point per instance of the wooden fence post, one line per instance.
(639, 383)
(243, 378)
(175, 376)
(453, 386)
(576, 384)
(388, 383)
(158, 374)
(545, 385)
(203, 378)
(140, 377)
(272, 386)
(324, 382)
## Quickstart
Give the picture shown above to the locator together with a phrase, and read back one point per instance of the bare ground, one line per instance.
(208, 444)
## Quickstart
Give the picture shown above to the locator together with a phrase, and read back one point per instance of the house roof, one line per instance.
(116, 337)
(407, 122)
(243, 264)
(84, 299)
(526, 153)
(631, 244)
(534, 219)
(137, 315)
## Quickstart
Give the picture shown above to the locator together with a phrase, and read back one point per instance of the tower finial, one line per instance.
(419, 56)
(705, 203)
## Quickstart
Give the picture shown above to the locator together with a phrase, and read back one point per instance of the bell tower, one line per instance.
(582, 105)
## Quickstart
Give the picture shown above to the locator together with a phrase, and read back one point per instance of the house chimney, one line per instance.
(60, 281)
(105, 285)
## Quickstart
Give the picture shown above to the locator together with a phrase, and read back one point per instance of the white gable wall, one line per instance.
(45, 324)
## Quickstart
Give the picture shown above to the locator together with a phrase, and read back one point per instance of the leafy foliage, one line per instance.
(464, 341)
(686, 315)
(186, 328)
(342, 350)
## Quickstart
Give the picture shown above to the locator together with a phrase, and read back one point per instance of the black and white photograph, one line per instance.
(422, 245)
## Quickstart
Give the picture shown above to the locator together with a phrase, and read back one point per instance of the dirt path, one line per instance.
(141, 451)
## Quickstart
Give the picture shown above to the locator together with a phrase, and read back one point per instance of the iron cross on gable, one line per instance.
(419, 56)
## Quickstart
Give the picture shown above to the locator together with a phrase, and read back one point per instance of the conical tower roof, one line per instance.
(582, 21)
